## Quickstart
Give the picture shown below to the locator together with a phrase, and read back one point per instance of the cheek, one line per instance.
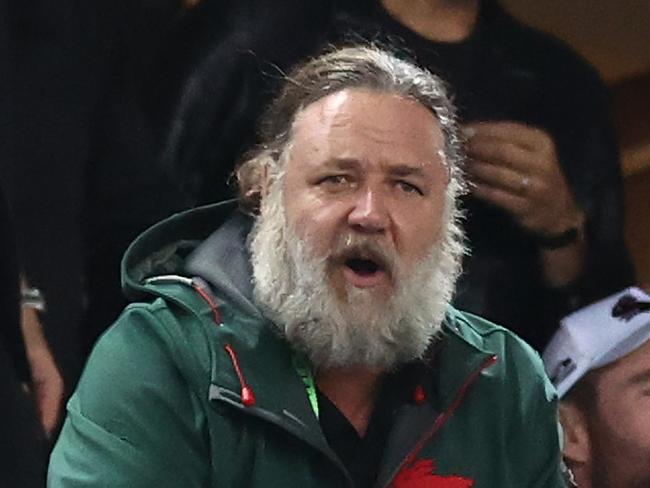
(420, 228)
(638, 421)
(314, 221)
(626, 427)
(298, 205)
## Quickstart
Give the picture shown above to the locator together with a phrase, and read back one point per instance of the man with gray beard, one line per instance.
(302, 336)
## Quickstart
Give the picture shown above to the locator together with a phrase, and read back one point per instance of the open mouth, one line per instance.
(363, 267)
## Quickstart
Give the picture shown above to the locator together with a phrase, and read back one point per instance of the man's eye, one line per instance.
(407, 187)
(336, 180)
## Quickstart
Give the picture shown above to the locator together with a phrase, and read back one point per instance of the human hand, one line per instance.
(47, 383)
(515, 167)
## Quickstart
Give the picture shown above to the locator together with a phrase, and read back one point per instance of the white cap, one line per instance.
(597, 335)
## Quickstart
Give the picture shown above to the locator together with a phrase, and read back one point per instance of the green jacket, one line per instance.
(160, 401)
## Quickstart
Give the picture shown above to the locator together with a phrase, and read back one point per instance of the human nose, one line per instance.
(369, 213)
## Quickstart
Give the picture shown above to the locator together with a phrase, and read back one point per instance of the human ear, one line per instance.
(269, 171)
(576, 434)
(265, 178)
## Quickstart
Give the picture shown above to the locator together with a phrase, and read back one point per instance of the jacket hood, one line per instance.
(209, 242)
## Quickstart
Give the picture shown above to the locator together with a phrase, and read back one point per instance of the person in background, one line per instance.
(305, 338)
(599, 360)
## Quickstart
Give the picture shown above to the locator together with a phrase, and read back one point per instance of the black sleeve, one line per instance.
(11, 338)
(232, 60)
(579, 118)
(10, 334)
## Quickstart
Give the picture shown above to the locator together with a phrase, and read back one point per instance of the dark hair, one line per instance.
(350, 67)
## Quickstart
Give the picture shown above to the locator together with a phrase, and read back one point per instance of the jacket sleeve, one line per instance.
(581, 122)
(546, 472)
(133, 420)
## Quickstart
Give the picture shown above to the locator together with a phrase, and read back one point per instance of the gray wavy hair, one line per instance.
(350, 67)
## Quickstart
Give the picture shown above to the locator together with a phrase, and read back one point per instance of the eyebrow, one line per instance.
(394, 169)
(640, 378)
(344, 163)
(406, 170)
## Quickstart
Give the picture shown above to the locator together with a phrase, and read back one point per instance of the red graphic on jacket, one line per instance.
(420, 475)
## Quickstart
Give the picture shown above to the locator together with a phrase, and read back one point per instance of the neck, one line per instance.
(436, 20)
(353, 390)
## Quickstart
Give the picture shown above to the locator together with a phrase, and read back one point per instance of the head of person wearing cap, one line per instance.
(599, 361)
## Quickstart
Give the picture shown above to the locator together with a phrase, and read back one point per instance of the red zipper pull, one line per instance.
(247, 395)
(419, 395)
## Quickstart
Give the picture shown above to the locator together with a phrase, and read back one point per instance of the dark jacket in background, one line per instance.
(220, 69)
(22, 447)
(82, 178)
(126, 189)
(10, 336)
(11, 340)
(22, 453)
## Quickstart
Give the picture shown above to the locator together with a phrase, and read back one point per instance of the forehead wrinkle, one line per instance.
(382, 138)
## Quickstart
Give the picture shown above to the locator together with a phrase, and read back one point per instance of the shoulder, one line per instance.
(486, 335)
(136, 416)
(517, 364)
(152, 350)
(515, 396)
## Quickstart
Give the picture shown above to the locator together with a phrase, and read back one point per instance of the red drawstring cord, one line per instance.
(247, 395)
(216, 316)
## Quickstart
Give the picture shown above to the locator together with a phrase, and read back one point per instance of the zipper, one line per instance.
(294, 426)
(443, 417)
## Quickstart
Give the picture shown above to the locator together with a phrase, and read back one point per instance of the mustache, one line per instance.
(355, 246)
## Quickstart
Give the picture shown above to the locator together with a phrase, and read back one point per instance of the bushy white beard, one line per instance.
(291, 286)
